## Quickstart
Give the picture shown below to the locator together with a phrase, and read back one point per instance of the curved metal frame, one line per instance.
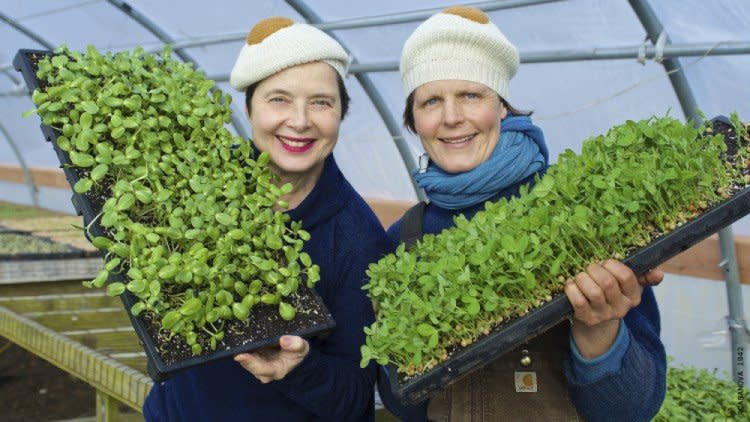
(420, 15)
(7, 70)
(370, 21)
(654, 29)
(31, 34)
(33, 190)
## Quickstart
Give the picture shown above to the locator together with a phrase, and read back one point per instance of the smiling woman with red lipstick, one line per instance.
(292, 76)
(610, 364)
(295, 116)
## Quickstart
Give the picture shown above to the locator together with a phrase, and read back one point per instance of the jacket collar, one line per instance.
(331, 193)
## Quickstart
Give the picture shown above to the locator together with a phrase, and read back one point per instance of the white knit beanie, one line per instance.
(458, 43)
(277, 43)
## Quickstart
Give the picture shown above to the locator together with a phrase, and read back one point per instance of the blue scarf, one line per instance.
(520, 153)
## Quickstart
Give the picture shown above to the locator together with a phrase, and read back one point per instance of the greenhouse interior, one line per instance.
(68, 352)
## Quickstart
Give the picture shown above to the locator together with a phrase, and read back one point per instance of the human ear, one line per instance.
(503, 111)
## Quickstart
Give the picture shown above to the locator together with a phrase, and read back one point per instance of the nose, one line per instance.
(298, 118)
(452, 113)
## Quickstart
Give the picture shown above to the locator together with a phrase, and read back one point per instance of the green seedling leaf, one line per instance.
(137, 308)
(287, 311)
(81, 159)
(191, 306)
(125, 202)
(101, 278)
(99, 172)
(83, 185)
(426, 330)
(167, 272)
(240, 311)
(270, 299)
(115, 289)
(274, 242)
(112, 264)
(101, 242)
(136, 286)
(90, 107)
(225, 219)
(170, 319)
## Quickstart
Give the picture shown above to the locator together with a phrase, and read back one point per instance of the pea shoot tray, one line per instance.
(514, 333)
(167, 356)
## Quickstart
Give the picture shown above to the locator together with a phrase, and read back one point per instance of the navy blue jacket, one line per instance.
(328, 385)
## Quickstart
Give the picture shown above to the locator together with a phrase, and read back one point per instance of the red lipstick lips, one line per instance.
(296, 145)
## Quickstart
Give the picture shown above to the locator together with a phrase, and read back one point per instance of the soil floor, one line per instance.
(31, 389)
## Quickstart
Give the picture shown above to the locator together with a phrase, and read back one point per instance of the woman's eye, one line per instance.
(431, 101)
(277, 100)
(472, 95)
(322, 103)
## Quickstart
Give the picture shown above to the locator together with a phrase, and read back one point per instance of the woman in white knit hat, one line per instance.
(292, 76)
(610, 364)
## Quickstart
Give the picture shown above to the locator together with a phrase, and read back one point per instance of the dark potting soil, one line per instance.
(31, 389)
(730, 137)
(34, 60)
(263, 328)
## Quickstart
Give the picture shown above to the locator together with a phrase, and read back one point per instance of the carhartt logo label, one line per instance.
(526, 382)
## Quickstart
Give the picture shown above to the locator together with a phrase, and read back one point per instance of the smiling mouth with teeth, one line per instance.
(458, 140)
(294, 142)
(296, 145)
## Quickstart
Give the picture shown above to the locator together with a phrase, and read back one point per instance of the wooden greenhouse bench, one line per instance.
(88, 335)
(83, 332)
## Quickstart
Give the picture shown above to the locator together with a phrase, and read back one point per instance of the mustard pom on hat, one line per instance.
(469, 13)
(458, 43)
(277, 43)
(266, 27)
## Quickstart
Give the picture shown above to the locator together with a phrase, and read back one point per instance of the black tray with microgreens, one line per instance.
(642, 193)
(17, 245)
(189, 217)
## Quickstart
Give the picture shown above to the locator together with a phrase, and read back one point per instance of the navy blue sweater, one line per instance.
(328, 385)
(632, 387)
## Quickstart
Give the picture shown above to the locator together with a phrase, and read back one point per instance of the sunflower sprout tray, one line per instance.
(158, 369)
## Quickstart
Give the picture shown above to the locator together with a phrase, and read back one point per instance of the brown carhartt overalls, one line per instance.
(526, 384)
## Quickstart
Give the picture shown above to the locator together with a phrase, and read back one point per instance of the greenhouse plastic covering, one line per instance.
(571, 99)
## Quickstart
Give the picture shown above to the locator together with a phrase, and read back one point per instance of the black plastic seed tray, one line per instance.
(158, 369)
(70, 252)
(22, 63)
(514, 333)
(74, 253)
